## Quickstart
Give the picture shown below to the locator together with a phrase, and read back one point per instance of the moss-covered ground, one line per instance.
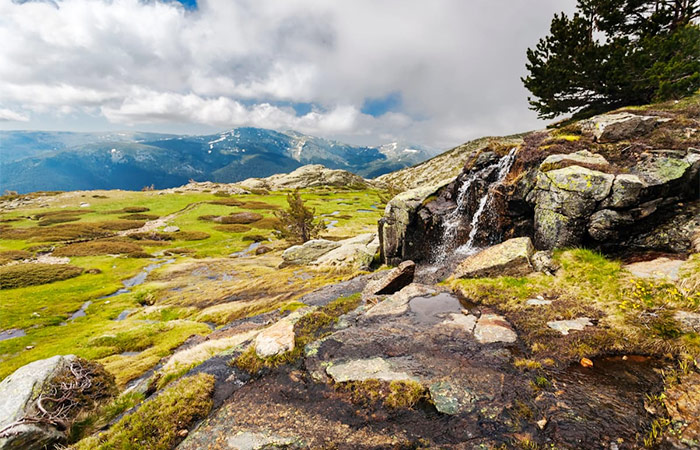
(206, 284)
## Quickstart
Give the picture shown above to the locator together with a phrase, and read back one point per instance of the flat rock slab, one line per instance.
(492, 328)
(510, 258)
(583, 158)
(659, 268)
(248, 440)
(395, 280)
(277, 339)
(308, 252)
(366, 369)
(538, 302)
(564, 326)
(397, 304)
(466, 322)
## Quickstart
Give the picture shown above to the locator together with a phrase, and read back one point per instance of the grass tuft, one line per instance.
(21, 275)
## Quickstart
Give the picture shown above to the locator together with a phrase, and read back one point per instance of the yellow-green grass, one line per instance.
(42, 310)
(634, 315)
(157, 424)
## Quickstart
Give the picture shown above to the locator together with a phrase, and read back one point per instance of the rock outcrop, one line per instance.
(23, 424)
(618, 180)
(277, 339)
(615, 127)
(307, 252)
(357, 252)
(353, 253)
(400, 213)
(575, 203)
(510, 258)
(304, 177)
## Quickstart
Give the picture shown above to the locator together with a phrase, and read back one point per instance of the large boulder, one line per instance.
(575, 203)
(563, 199)
(400, 212)
(22, 423)
(618, 126)
(397, 278)
(510, 258)
(307, 252)
(306, 176)
(355, 253)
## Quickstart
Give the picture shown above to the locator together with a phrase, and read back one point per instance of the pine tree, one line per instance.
(613, 53)
(297, 222)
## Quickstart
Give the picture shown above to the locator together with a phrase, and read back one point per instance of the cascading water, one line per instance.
(453, 221)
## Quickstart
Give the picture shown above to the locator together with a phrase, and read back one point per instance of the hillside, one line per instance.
(32, 161)
(546, 294)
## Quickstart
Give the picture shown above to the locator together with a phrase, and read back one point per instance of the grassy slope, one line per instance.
(182, 300)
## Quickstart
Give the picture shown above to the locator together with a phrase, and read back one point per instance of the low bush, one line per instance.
(56, 233)
(21, 275)
(244, 217)
(128, 210)
(226, 202)
(189, 235)
(233, 228)
(254, 204)
(253, 238)
(53, 220)
(267, 223)
(13, 255)
(62, 212)
(139, 217)
(93, 248)
(158, 423)
(120, 225)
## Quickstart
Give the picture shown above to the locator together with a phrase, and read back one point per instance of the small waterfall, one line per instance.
(453, 220)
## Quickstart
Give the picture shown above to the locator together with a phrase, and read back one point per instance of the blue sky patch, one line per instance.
(376, 107)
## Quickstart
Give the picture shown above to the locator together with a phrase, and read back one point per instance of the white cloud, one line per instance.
(456, 64)
(7, 115)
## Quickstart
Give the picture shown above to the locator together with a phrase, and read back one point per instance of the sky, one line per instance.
(435, 73)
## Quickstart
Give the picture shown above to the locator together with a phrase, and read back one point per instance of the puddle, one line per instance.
(366, 210)
(130, 353)
(227, 277)
(81, 312)
(138, 279)
(606, 399)
(123, 315)
(251, 248)
(433, 309)
(373, 206)
(331, 224)
(11, 333)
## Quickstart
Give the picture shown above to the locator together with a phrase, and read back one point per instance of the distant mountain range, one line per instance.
(36, 160)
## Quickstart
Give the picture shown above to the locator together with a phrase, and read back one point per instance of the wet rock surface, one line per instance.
(393, 281)
(463, 357)
(510, 258)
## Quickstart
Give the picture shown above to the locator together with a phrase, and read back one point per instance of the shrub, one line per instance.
(244, 217)
(21, 275)
(254, 238)
(297, 222)
(254, 204)
(120, 225)
(62, 212)
(14, 255)
(233, 228)
(156, 425)
(97, 248)
(268, 223)
(188, 235)
(128, 210)
(139, 217)
(226, 202)
(52, 220)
